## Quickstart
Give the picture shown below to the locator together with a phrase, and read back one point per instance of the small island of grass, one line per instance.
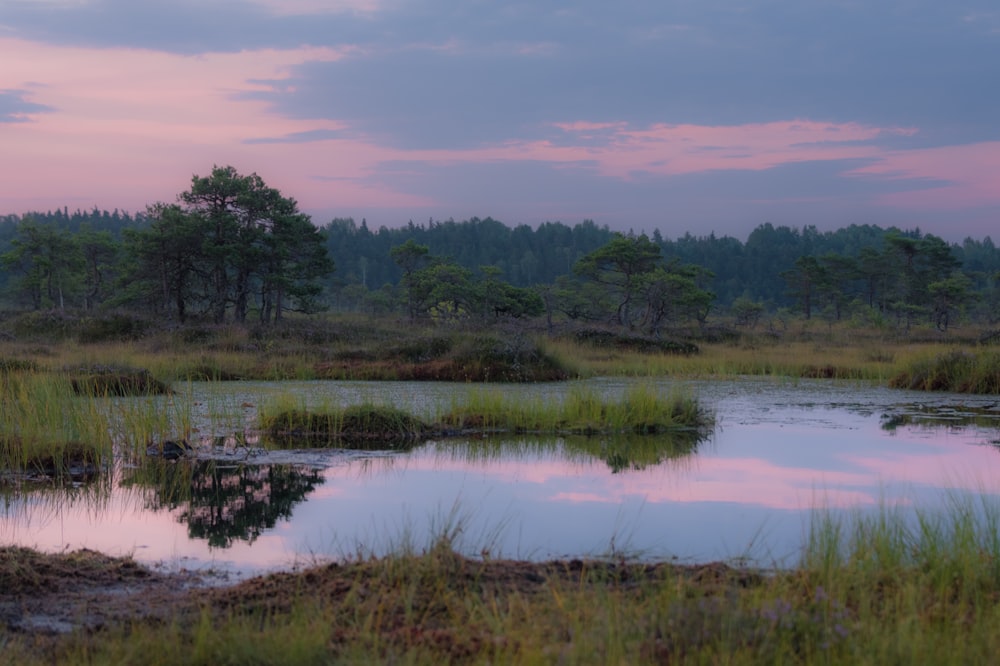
(641, 411)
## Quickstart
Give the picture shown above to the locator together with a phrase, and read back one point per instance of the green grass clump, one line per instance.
(957, 370)
(366, 422)
(642, 410)
(46, 428)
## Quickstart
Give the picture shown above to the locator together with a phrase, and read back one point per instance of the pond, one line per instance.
(780, 451)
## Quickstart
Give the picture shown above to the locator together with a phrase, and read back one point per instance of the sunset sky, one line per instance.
(678, 115)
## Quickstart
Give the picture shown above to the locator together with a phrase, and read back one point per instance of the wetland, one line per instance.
(721, 502)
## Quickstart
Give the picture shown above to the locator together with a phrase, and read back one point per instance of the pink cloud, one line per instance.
(749, 481)
(297, 7)
(131, 126)
(677, 149)
(128, 127)
(971, 173)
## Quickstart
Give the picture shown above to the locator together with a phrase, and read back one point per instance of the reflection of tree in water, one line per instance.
(226, 503)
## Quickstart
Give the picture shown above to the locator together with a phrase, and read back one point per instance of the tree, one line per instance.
(167, 265)
(231, 242)
(293, 261)
(100, 255)
(49, 261)
(804, 282)
(622, 265)
(255, 240)
(411, 257)
(501, 298)
(673, 293)
(947, 298)
(747, 312)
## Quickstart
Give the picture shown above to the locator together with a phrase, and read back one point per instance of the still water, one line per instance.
(780, 450)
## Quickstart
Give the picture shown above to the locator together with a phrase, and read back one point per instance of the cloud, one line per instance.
(721, 113)
(308, 136)
(14, 108)
(185, 26)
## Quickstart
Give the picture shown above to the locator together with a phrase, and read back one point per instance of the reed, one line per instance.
(45, 427)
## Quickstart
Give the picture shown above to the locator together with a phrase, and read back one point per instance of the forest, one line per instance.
(232, 247)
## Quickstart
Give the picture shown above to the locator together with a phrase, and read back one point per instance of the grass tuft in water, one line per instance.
(642, 410)
(356, 423)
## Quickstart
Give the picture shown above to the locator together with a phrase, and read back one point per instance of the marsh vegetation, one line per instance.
(866, 590)
(887, 587)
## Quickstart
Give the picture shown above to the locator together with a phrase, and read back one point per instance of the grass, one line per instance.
(354, 425)
(888, 588)
(45, 428)
(870, 361)
(53, 425)
(958, 370)
(314, 348)
(641, 411)
(360, 348)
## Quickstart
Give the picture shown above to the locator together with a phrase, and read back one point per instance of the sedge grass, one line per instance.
(960, 370)
(882, 588)
(642, 410)
(867, 361)
(45, 427)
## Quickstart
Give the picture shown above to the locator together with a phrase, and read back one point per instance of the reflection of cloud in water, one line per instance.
(783, 448)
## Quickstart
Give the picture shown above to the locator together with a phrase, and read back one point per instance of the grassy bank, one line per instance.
(360, 348)
(959, 370)
(885, 589)
(642, 410)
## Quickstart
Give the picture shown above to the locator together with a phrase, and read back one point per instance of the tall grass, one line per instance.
(873, 361)
(960, 370)
(45, 427)
(642, 410)
(893, 587)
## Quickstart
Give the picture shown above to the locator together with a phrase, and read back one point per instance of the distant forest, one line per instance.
(835, 274)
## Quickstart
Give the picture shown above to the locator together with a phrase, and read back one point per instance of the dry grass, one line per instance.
(880, 590)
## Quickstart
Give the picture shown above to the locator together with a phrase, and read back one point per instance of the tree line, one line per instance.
(232, 247)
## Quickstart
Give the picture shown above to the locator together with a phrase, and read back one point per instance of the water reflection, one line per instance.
(223, 503)
(781, 450)
(931, 416)
(621, 453)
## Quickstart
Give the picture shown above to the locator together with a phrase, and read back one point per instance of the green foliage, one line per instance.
(115, 381)
(631, 270)
(747, 312)
(623, 265)
(233, 241)
(249, 253)
(958, 371)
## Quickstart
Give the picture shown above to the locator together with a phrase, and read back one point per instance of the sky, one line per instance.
(686, 116)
